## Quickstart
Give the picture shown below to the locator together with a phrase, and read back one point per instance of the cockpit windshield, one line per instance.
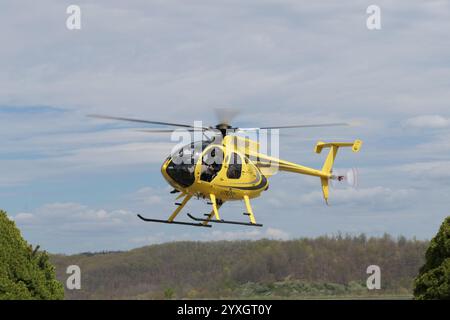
(182, 165)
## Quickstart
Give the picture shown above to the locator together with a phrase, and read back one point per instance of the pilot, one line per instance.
(208, 172)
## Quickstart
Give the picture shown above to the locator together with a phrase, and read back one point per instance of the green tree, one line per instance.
(433, 281)
(24, 273)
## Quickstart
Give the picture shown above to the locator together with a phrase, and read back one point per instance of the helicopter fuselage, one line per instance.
(202, 168)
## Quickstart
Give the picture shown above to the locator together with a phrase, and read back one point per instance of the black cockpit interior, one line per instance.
(181, 168)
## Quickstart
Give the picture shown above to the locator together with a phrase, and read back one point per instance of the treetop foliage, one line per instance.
(433, 281)
(25, 273)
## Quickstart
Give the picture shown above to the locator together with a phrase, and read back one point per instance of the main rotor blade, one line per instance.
(169, 130)
(141, 121)
(337, 124)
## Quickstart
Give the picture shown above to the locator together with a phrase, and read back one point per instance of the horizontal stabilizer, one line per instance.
(356, 145)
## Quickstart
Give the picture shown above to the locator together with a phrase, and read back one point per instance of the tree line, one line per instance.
(328, 265)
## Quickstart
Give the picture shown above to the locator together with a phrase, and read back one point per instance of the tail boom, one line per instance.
(270, 165)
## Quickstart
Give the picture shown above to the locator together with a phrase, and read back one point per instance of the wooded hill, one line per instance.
(303, 268)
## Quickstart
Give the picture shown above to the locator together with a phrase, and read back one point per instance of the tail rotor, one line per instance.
(348, 177)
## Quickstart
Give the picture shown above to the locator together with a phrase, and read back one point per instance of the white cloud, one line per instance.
(278, 234)
(151, 196)
(214, 235)
(67, 214)
(149, 239)
(81, 160)
(23, 217)
(428, 122)
(234, 235)
(378, 195)
(429, 170)
(252, 234)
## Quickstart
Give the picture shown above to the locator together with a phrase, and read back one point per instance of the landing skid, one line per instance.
(224, 221)
(174, 222)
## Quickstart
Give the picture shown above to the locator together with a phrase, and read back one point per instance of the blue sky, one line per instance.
(74, 184)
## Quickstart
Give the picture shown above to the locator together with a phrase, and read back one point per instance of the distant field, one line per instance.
(319, 268)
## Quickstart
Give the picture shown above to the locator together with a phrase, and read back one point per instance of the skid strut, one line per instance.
(174, 214)
(215, 213)
(203, 222)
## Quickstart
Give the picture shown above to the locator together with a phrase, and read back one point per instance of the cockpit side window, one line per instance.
(211, 163)
(182, 165)
(235, 166)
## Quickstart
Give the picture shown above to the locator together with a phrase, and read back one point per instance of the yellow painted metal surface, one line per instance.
(178, 209)
(256, 168)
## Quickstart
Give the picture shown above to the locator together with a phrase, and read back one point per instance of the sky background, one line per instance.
(75, 184)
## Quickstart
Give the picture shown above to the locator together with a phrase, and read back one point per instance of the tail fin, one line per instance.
(329, 161)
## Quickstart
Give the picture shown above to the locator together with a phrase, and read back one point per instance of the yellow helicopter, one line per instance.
(228, 167)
